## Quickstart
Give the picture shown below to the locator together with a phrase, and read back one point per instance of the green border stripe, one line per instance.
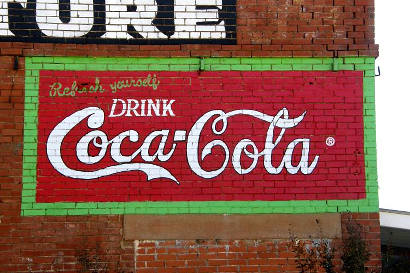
(29, 206)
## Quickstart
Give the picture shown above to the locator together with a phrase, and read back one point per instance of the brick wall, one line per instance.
(308, 38)
(242, 255)
(263, 28)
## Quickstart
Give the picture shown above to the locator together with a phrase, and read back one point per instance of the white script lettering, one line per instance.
(282, 123)
(99, 140)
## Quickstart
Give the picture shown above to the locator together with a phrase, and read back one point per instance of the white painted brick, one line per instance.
(186, 19)
(48, 6)
(216, 35)
(58, 33)
(68, 27)
(47, 13)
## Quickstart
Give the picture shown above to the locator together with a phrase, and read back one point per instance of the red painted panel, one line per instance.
(206, 136)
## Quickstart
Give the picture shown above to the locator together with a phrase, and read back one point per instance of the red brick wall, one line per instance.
(243, 255)
(327, 28)
(55, 244)
(331, 28)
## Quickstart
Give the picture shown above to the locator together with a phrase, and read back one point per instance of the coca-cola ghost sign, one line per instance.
(190, 136)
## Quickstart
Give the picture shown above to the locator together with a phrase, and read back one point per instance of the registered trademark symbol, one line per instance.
(330, 141)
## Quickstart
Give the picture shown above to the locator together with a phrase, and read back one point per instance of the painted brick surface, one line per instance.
(65, 236)
(256, 28)
(151, 137)
(165, 22)
(338, 108)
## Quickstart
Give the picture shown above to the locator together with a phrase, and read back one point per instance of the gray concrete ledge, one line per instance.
(215, 226)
